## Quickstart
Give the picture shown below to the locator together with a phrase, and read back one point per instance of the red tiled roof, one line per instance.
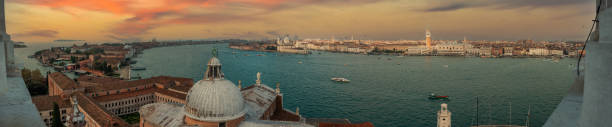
(164, 80)
(44, 102)
(135, 93)
(98, 80)
(62, 80)
(124, 95)
(97, 113)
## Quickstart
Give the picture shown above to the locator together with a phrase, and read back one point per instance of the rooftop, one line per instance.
(96, 112)
(45, 102)
(62, 80)
(258, 99)
(124, 95)
(164, 114)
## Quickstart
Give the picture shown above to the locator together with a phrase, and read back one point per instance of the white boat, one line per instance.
(340, 79)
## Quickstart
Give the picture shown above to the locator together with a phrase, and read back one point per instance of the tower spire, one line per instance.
(277, 88)
(258, 81)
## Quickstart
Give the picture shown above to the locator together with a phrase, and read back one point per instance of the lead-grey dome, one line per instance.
(215, 101)
(213, 98)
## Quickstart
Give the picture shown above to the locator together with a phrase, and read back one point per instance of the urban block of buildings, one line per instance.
(426, 47)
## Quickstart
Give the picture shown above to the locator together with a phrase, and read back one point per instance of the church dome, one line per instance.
(215, 101)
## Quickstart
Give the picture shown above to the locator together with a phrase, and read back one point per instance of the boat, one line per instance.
(137, 68)
(300, 62)
(433, 96)
(340, 79)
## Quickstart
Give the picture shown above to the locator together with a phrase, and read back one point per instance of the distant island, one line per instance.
(64, 40)
(20, 45)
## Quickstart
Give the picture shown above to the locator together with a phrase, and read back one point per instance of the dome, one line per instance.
(215, 101)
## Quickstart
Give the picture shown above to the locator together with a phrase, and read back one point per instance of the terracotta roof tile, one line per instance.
(164, 80)
(99, 114)
(44, 102)
(62, 80)
(124, 95)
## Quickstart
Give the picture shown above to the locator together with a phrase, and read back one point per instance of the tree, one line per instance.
(56, 120)
(27, 77)
(35, 82)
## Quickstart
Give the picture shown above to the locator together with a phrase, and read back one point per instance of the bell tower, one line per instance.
(444, 116)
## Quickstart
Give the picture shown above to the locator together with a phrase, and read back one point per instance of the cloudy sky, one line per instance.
(120, 20)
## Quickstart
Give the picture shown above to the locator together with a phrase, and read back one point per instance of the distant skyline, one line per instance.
(133, 20)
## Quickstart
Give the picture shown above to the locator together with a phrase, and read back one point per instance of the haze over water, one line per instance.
(389, 93)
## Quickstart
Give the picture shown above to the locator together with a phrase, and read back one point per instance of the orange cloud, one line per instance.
(146, 17)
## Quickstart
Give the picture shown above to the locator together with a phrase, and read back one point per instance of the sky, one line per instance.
(39, 21)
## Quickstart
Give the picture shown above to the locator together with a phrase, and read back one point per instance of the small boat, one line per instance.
(340, 79)
(300, 62)
(137, 68)
(261, 55)
(433, 96)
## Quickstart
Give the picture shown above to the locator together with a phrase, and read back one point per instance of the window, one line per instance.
(222, 124)
(63, 111)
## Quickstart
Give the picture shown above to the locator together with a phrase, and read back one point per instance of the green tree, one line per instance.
(35, 82)
(56, 120)
(37, 76)
(27, 77)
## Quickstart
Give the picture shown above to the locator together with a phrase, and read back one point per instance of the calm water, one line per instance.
(389, 93)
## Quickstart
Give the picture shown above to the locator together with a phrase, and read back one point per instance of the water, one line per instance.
(388, 93)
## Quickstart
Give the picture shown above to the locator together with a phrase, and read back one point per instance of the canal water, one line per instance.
(388, 91)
